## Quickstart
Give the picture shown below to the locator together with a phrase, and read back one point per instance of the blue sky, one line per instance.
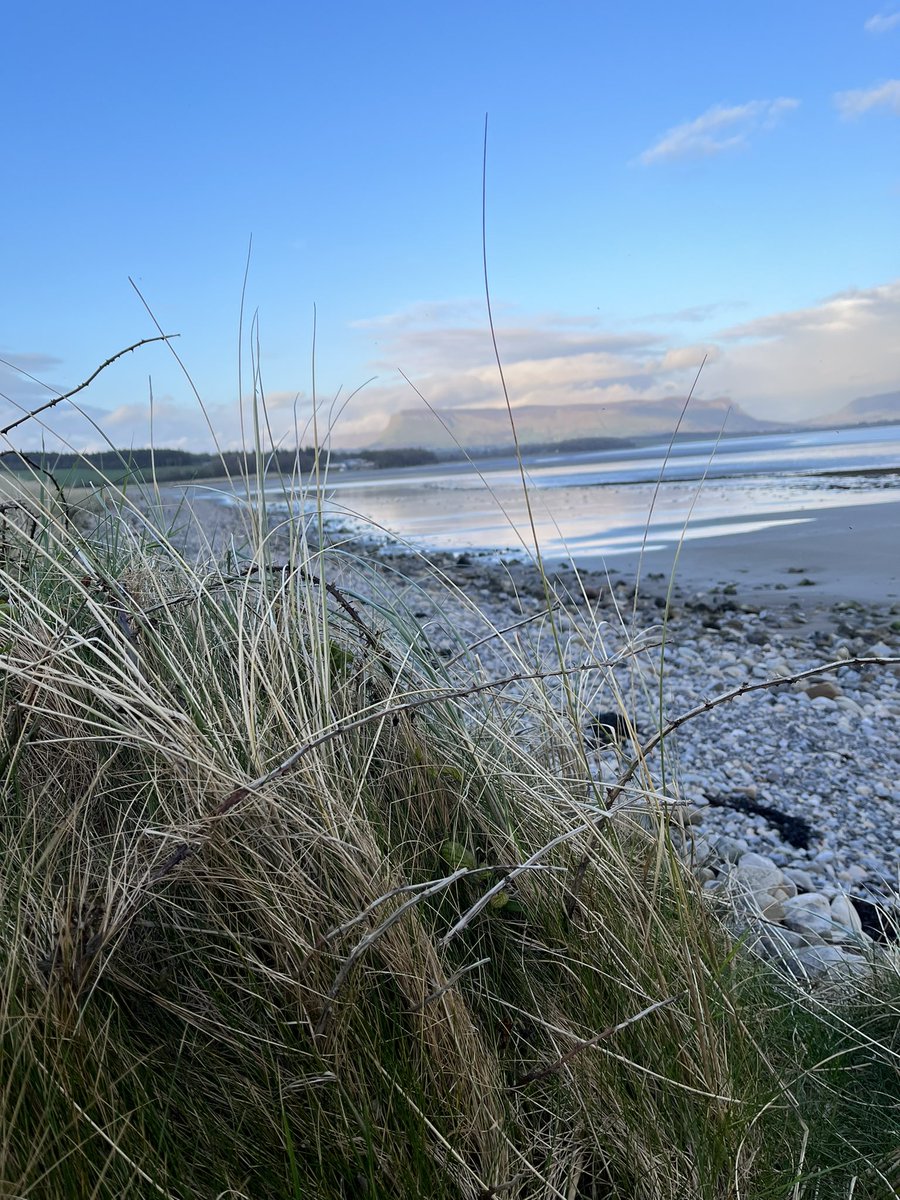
(664, 181)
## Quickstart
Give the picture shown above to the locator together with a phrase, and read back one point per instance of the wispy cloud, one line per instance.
(720, 128)
(788, 365)
(693, 314)
(842, 313)
(882, 95)
(26, 379)
(882, 22)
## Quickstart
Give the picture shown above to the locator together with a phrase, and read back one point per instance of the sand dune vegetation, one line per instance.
(293, 906)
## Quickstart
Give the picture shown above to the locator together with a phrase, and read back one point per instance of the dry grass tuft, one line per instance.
(291, 908)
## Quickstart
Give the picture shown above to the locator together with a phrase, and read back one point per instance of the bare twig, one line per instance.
(452, 981)
(422, 893)
(544, 1072)
(744, 689)
(438, 696)
(529, 865)
(402, 891)
(495, 633)
(363, 945)
(572, 898)
(163, 337)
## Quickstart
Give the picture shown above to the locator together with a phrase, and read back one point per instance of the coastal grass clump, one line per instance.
(293, 907)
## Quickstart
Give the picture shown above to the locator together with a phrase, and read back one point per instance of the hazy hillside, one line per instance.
(478, 427)
(865, 410)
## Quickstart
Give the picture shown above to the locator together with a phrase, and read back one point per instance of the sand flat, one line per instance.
(849, 553)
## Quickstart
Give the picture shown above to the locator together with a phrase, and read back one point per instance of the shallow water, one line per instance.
(613, 502)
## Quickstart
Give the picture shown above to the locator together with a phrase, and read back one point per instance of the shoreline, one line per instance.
(803, 777)
(847, 553)
(814, 555)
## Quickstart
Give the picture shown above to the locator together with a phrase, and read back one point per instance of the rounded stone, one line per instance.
(729, 848)
(752, 859)
(803, 881)
(845, 915)
(817, 960)
(809, 913)
(823, 690)
(786, 890)
(757, 879)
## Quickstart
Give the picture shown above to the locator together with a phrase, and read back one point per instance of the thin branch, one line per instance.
(422, 893)
(439, 695)
(403, 890)
(164, 337)
(544, 1072)
(452, 981)
(495, 633)
(484, 900)
(572, 898)
(743, 690)
(363, 945)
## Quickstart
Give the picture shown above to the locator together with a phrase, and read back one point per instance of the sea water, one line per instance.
(614, 501)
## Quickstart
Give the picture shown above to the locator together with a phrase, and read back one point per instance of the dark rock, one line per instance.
(797, 831)
(606, 727)
(876, 920)
(824, 688)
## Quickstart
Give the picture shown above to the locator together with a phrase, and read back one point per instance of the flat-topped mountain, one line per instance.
(547, 424)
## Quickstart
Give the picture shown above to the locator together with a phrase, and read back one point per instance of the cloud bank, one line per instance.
(791, 365)
(882, 22)
(720, 128)
(857, 103)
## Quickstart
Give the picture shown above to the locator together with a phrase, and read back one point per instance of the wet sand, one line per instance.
(818, 556)
(850, 553)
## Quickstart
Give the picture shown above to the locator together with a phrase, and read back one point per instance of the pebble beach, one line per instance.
(791, 792)
(788, 797)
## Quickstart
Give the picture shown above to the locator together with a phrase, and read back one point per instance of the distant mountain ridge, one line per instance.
(866, 410)
(547, 424)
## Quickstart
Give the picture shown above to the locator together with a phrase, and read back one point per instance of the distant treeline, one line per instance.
(182, 465)
(171, 466)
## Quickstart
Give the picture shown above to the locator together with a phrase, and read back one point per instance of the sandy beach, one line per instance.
(850, 553)
(815, 556)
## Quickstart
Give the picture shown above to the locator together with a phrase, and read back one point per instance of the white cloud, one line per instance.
(689, 357)
(882, 95)
(882, 22)
(808, 362)
(790, 365)
(720, 128)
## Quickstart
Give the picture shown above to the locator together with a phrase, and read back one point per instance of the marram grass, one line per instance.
(290, 908)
